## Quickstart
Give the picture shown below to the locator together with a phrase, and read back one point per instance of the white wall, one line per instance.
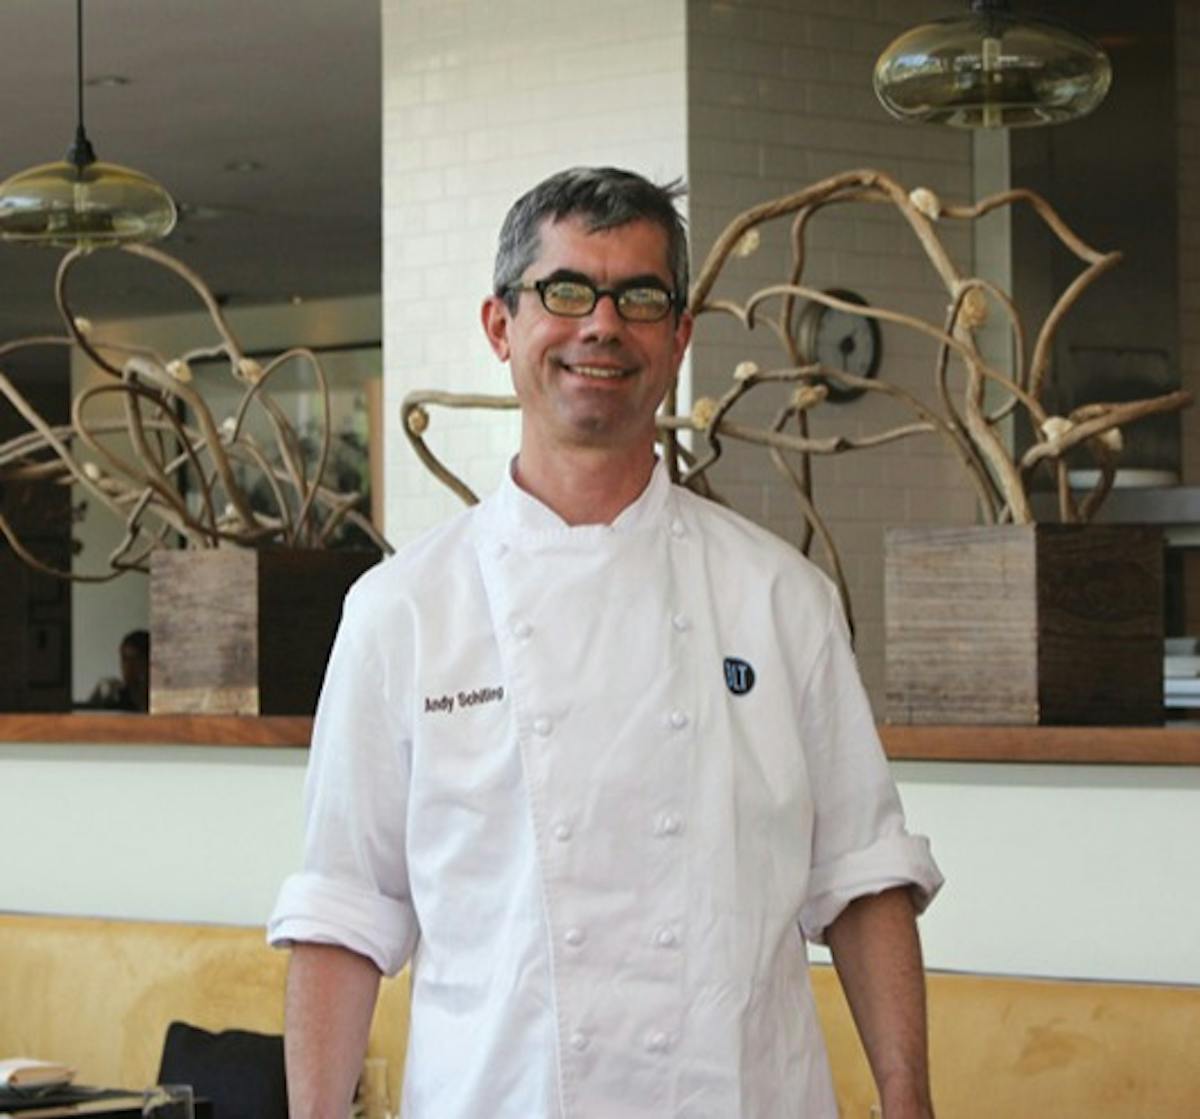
(156, 832)
(1079, 871)
(1054, 870)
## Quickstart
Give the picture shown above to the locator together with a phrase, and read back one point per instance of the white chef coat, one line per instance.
(534, 772)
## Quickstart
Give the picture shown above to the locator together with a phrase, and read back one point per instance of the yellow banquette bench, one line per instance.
(98, 994)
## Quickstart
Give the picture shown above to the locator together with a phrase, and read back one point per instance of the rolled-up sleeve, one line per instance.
(353, 887)
(860, 843)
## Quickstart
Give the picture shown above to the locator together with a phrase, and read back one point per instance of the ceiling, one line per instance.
(292, 86)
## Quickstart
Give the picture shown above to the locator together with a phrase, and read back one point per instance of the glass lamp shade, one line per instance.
(98, 204)
(990, 69)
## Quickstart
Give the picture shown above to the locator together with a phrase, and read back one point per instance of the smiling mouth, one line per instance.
(597, 372)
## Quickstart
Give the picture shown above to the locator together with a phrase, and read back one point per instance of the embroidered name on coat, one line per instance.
(445, 704)
(739, 676)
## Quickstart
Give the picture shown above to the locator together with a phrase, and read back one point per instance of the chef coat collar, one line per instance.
(522, 514)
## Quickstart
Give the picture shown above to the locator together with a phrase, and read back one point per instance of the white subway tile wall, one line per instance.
(750, 99)
(779, 97)
(482, 99)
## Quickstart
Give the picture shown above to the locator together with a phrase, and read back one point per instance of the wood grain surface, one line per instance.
(234, 631)
(1024, 624)
(190, 730)
(1169, 745)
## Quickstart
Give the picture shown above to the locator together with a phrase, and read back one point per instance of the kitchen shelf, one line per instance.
(108, 728)
(1173, 744)
(1177, 744)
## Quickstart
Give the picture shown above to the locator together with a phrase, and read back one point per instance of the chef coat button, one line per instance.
(656, 1041)
(681, 622)
(678, 719)
(579, 1041)
(522, 630)
(562, 831)
(574, 937)
(501, 551)
(666, 937)
(677, 529)
(542, 726)
(668, 823)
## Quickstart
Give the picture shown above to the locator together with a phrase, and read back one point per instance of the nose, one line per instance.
(604, 320)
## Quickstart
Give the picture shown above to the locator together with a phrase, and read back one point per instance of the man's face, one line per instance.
(594, 381)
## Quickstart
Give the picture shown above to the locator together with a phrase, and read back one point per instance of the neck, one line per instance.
(584, 487)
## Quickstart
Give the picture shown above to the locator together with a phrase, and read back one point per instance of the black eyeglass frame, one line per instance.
(540, 286)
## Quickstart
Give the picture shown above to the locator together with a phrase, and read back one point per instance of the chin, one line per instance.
(609, 432)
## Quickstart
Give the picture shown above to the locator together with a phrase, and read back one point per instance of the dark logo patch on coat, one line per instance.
(739, 676)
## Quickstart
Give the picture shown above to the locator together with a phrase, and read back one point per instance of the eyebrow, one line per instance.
(645, 280)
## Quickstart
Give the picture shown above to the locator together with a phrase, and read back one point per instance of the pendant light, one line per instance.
(991, 69)
(80, 201)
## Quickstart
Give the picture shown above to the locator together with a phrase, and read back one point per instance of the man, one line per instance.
(131, 692)
(595, 754)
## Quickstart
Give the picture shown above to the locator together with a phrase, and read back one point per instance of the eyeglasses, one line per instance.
(574, 299)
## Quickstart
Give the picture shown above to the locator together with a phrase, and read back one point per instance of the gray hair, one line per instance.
(604, 197)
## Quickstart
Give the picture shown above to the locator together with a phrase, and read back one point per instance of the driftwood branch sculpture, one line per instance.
(961, 417)
(168, 434)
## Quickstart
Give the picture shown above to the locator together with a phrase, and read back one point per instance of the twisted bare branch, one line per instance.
(174, 441)
(961, 416)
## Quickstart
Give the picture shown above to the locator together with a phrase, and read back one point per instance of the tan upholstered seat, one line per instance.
(1011, 1048)
(99, 995)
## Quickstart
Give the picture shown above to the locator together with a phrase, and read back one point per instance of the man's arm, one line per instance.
(877, 953)
(331, 995)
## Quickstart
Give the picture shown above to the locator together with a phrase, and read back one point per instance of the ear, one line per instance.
(496, 318)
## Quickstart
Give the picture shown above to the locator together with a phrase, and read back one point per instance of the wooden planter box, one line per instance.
(237, 631)
(1024, 624)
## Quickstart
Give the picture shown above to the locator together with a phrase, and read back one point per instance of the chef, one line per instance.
(595, 758)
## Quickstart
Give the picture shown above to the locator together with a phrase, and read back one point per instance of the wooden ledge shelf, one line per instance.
(179, 730)
(1169, 745)
(1166, 745)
